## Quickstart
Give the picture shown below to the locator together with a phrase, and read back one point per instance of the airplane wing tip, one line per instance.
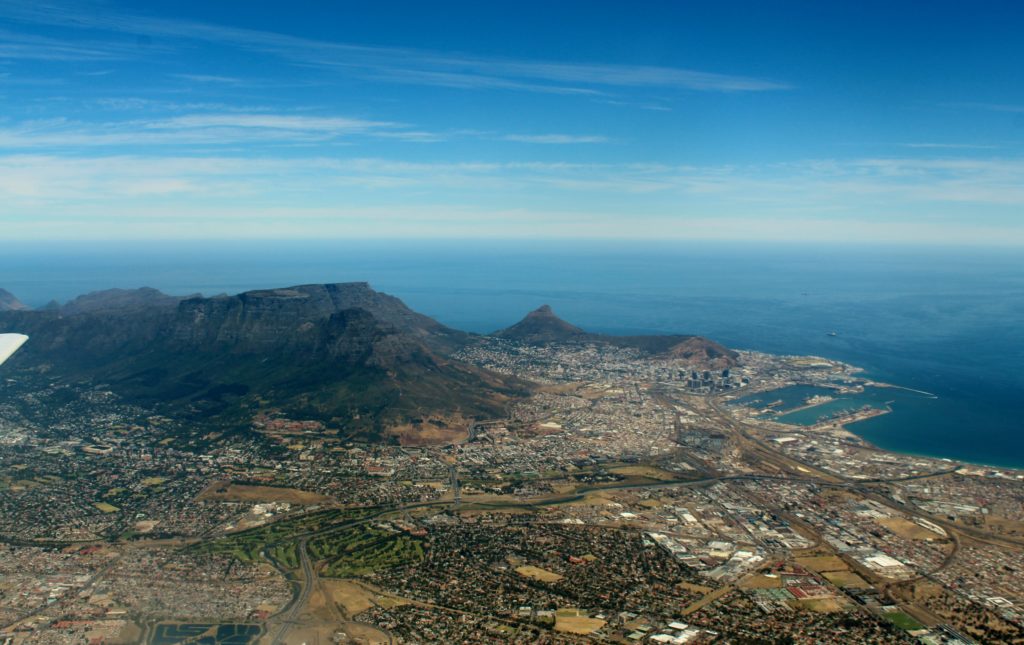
(9, 343)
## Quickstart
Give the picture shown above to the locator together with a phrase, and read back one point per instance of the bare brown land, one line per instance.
(537, 573)
(573, 621)
(823, 563)
(227, 492)
(431, 434)
(907, 529)
(649, 472)
(846, 579)
(760, 582)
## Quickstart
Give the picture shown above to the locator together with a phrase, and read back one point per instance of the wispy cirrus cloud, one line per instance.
(899, 200)
(555, 138)
(215, 125)
(208, 78)
(863, 187)
(15, 45)
(948, 146)
(401, 65)
(205, 129)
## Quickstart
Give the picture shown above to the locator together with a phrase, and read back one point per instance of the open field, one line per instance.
(903, 621)
(529, 571)
(760, 582)
(648, 472)
(823, 563)
(1004, 526)
(309, 635)
(907, 529)
(365, 633)
(823, 605)
(356, 597)
(443, 432)
(106, 508)
(846, 579)
(228, 492)
(353, 598)
(575, 621)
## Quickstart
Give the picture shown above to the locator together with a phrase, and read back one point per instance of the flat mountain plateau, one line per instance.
(343, 354)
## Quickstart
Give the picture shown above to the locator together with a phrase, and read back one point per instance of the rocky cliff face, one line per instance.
(9, 303)
(286, 317)
(335, 351)
(121, 301)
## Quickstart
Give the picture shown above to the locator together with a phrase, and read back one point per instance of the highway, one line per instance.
(290, 616)
(790, 469)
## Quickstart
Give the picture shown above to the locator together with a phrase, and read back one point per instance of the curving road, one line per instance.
(291, 614)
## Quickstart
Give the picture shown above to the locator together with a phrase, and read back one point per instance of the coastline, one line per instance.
(849, 425)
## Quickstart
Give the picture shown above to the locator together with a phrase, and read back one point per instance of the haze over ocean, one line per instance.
(948, 321)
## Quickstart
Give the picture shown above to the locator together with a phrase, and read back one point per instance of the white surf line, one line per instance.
(900, 387)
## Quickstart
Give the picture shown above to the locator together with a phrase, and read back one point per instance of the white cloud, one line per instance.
(949, 146)
(396, 64)
(554, 138)
(204, 129)
(270, 122)
(905, 200)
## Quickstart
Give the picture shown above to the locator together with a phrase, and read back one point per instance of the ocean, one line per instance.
(943, 320)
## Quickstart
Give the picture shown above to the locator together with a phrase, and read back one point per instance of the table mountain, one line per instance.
(342, 353)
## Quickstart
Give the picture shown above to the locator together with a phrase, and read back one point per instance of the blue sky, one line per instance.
(812, 121)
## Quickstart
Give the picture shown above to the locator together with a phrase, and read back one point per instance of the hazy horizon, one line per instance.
(730, 122)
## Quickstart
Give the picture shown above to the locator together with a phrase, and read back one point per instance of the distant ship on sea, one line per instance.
(833, 333)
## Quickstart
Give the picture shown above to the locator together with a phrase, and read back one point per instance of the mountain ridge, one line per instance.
(340, 352)
(542, 326)
(8, 302)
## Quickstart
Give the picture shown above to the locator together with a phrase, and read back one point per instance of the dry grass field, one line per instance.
(907, 529)
(227, 492)
(689, 586)
(574, 621)
(529, 571)
(761, 582)
(355, 597)
(648, 472)
(823, 605)
(446, 431)
(846, 579)
(823, 563)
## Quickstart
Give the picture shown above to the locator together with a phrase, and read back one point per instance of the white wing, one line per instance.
(9, 343)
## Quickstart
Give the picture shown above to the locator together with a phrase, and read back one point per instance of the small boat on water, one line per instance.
(833, 333)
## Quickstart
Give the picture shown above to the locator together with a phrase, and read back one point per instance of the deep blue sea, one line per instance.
(948, 321)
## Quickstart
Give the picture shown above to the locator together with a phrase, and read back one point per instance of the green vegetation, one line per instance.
(363, 549)
(279, 539)
(287, 555)
(903, 621)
